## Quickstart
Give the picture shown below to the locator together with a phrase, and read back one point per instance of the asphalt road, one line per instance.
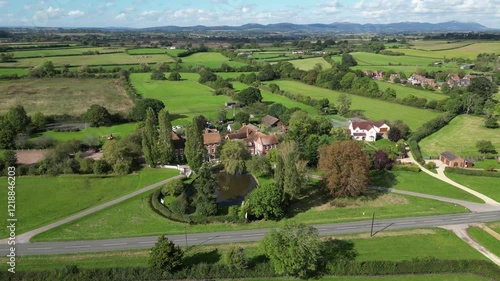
(44, 248)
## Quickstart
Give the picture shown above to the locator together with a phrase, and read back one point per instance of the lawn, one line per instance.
(376, 59)
(372, 108)
(184, 99)
(63, 52)
(487, 163)
(270, 98)
(64, 95)
(118, 131)
(408, 70)
(495, 226)
(105, 59)
(403, 91)
(209, 59)
(485, 239)
(146, 51)
(489, 186)
(422, 183)
(43, 200)
(460, 137)
(314, 209)
(12, 71)
(436, 45)
(308, 64)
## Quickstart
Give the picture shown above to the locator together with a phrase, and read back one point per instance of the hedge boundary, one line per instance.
(468, 172)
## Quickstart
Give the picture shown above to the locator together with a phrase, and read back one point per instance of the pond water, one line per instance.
(234, 188)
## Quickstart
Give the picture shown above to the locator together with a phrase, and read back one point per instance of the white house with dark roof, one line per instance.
(367, 130)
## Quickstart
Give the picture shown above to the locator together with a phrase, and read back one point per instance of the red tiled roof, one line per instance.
(210, 138)
(363, 125)
(269, 120)
(268, 139)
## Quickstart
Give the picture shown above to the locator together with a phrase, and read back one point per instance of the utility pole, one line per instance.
(186, 236)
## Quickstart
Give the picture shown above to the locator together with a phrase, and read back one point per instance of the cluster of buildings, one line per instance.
(367, 130)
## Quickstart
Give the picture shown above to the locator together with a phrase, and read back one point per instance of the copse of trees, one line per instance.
(138, 112)
(249, 96)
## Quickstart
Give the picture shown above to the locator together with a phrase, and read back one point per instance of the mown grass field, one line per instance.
(372, 108)
(466, 52)
(408, 70)
(387, 245)
(308, 64)
(436, 45)
(487, 163)
(314, 209)
(11, 71)
(63, 52)
(96, 60)
(489, 186)
(183, 99)
(142, 51)
(118, 131)
(485, 239)
(64, 95)
(270, 98)
(460, 137)
(42, 200)
(403, 91)
(422, 183)
(209, 59)
(376, 59)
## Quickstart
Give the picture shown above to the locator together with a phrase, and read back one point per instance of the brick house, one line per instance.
(211, 140)
(367, 130)
(257, 142)
(179, 146)
(451, 160)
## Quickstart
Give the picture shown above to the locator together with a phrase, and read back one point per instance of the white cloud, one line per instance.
(76, 13)
(3, 4)
(121, 16)
(328, 8)
(191, 14)
(150, 13)
(53, 13)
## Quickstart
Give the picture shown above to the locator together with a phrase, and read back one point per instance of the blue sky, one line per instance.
(146, 13)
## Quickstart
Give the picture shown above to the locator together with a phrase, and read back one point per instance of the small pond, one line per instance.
(234, 188)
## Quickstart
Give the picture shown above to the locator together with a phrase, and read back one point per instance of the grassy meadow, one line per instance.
(104, 59)
(64, 95)
(184, 99)
(436, 45)
(373, 108)
(485, 239)
(489, 186)
(308, 64)
(63, 52)
(422, 183)
(12, 71)
(43, 200)
(467, 52)
(403, 91)
(209, 59)
(118, 131)
(146, 51)
(408, 70)
(460, 137)
(376, 59)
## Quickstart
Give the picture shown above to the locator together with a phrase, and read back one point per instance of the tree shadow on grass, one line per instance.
(259, 259)
(339, 250)
(383, 178)
(177, 116)
(211, 257)
(315, 195)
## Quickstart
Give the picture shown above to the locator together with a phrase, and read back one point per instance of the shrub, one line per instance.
(179, 205)
(407, 168)
(235, 257)
(430, 166)
(482, 173)
(173, 188)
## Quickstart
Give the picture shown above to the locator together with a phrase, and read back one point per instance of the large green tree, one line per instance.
(18, 118)
(290, 172)
(165, 255)
(39, 121)
(265, 202)
(138, 112)
(206, 191)
(166, 148)
(157, 75)
(195, 150)
(97, 116)
(249, 96)
(345, 167)
(150, 138)
(122, 155)
(233, 157)
(294, 249)
(344, 104)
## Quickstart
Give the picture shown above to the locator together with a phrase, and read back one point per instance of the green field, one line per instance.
(269, 98)
(308, 64)
(209, 59)
(487, 163)
(375, 59)
(403, 91)
(63, 52)
(64, 95)
(184, 99)
(423, 277)
(485, 239)
(422, 183)
(97, 60)
(233, 75)
(43, 200)
(489, 186)
(460, 137)
(466, 52)
(436, 45)
(408, 70)
(12, 71)
(372, 108)
(118, 131)
(144, 51)
(495, 226)
(109, 223)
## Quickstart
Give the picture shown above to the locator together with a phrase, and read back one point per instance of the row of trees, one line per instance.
(16, 123)
(157, 143)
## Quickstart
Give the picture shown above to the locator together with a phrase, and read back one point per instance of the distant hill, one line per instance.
(336, 27)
